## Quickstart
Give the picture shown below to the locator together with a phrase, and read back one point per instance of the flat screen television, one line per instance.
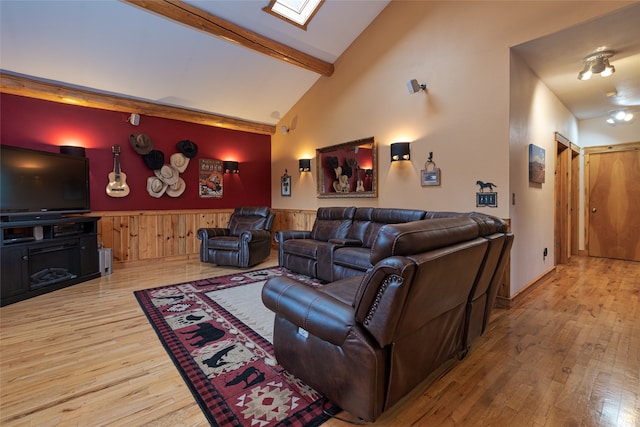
(37, 184)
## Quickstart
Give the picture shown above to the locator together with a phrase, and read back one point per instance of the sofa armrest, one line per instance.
(255, 235)
(281, 235)
(205, 234)
(346, 242)
(314, 311)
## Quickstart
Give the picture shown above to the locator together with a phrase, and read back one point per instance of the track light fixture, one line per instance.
(619, 117)
(598, 63)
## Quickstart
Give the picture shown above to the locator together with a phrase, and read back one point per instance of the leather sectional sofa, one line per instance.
(340, 242)
(372, 334)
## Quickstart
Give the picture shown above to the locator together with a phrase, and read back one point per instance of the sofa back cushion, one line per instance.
(420, 236)
(489, 224)
(367, 222)
(247, 218)
(381, 216)
(361, 221)
(333, 222)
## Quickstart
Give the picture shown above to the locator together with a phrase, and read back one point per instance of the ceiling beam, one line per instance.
(65, 94)
(203, 21)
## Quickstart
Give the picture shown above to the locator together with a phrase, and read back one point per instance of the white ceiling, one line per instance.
(117, 48)
(557, 59)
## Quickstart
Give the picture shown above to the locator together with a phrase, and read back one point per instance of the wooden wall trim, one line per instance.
(505, 301)
(64, 93)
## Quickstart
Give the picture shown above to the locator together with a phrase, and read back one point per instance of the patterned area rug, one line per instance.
(218, 333)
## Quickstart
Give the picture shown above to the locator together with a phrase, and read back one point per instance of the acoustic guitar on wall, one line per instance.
(117, 186)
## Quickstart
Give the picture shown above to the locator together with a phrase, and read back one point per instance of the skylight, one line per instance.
(297, 12)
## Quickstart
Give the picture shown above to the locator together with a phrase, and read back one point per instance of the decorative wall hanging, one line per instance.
(117, 186)
(430, 175)
(210, 178)
(285, 184)
(486, 198)
(348, 170)
(536, 164)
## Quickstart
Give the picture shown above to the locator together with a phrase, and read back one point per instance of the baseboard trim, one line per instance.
(516, 299)
(150, 261)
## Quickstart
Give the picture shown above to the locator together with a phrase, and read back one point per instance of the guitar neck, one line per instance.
(116, 164)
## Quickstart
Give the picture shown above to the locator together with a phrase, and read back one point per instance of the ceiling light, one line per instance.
(619, 117)
(597, 63)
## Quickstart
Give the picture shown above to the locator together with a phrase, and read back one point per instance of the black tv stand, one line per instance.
(43, 255)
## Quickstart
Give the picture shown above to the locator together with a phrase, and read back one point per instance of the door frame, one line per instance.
(565, 190)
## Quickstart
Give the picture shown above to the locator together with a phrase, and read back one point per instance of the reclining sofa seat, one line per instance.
(298, 249)
(373, 338)
(245, 242)
(351, 257)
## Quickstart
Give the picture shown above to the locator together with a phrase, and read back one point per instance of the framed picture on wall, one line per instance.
(285, 185)
(536, 164)
(210, 178)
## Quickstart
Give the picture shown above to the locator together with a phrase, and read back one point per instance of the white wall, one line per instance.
(596, 132)
(536, 114)
(461, 50)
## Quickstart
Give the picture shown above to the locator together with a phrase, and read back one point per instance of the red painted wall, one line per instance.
(44, 125)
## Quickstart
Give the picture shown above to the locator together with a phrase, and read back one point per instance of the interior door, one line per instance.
(614, 204)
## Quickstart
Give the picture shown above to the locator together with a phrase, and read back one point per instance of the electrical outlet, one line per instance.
(544, 253)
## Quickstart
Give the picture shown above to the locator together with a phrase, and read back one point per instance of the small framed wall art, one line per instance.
(285, 184)
(430, 175)
(536, 164)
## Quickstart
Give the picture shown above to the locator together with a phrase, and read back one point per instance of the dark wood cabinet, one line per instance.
(44, 255)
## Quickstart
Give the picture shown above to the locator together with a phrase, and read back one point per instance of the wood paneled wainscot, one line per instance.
(152, 235)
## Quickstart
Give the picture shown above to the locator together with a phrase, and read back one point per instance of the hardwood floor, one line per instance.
(568, 355)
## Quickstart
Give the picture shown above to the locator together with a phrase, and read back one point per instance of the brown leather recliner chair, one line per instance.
(366, 341)
(245, 242)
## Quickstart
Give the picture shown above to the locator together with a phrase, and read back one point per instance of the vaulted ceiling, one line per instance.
(230, 64)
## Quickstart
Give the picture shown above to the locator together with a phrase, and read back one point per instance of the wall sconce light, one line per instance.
(305, 165)
(230, 167)
(284, 129)
(413, 86)
(72, 150)
(597, 63)
(134, 119)
(400, 151)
